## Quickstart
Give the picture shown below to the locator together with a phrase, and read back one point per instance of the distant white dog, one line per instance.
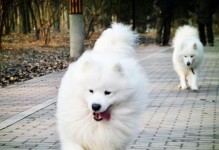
(102, 95)
(187, 56)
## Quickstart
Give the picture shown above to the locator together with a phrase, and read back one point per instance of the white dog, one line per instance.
(187, 56)
(102, 95)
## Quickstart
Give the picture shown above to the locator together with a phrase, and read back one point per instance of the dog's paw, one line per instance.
(182, 87)
(194, 88)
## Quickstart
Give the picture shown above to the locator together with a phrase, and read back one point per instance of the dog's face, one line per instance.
(105, 87)
(189, 55)
(188, 59)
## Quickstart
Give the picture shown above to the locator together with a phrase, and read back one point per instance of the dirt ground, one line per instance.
(23, 57)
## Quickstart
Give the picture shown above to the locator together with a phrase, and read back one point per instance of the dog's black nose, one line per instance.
(96, 107)
(188, 63)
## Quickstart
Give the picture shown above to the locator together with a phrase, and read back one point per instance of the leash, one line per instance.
(192, 71)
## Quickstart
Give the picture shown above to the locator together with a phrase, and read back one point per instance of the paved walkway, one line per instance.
(173, 120)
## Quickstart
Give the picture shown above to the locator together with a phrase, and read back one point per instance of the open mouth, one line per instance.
(98, 116)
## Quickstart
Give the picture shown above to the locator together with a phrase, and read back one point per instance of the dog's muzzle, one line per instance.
(98, 116)
(188, 63)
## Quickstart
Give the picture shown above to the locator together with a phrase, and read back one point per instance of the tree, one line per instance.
(96, 12)
(24, 16)
(30, 14)
(48, 13)
(4, 7)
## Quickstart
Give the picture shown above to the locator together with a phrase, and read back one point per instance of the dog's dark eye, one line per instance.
(91, 91)
(107, 92)
(191, 56)
(185, 56)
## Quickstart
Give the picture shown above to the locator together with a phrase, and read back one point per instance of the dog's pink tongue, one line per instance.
(105, 115)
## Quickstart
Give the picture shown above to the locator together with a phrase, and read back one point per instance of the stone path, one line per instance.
(173, 120)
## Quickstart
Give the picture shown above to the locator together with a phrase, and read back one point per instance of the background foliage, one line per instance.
(44, 16)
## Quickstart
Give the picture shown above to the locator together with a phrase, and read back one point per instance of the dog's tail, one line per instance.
(184, 32)
(119, 38)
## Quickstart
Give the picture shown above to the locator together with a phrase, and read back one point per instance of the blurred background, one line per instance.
(34, 34)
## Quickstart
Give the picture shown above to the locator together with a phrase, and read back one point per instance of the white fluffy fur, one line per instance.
(119, 39)
(187, 56)
(109, 66)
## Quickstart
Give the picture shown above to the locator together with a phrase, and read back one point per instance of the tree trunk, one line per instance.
(2, 19)
(24, 17)
(57, 24)
(37, 31)
(89, 28)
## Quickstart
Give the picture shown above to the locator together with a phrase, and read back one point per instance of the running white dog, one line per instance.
(187, 56)
(102, 95)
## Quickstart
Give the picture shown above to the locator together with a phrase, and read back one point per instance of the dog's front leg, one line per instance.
(193, 81)
(182, 81)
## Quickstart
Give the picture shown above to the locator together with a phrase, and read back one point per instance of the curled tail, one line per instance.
(118, 38)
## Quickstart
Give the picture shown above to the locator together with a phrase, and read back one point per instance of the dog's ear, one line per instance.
(88, 64)
(194, 46)
(118, 68)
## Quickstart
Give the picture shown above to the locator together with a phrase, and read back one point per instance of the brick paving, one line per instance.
(18, 98)
(173, 120)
